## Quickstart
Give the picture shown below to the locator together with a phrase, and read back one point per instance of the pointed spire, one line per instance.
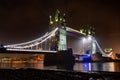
(57, 15)
(51, 22)
(64, 17)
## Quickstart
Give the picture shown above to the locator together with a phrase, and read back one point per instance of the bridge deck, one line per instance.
(27, 51)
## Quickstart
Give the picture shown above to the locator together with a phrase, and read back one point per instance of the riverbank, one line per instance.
(37, 74)
(96, 58)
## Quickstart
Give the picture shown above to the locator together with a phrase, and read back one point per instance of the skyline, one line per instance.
(25, 20)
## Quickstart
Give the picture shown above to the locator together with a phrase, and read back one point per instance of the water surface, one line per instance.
(107, 66)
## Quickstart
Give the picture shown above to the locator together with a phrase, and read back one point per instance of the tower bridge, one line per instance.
(56, 39)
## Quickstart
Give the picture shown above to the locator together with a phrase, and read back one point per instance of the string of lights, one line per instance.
(33, 42)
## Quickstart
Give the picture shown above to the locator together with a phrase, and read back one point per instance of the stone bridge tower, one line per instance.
(58, 41)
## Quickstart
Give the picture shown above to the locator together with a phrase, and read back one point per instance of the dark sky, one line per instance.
(24, 20)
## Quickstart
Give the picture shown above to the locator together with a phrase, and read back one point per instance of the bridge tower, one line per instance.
(89, 31)
(58, 41)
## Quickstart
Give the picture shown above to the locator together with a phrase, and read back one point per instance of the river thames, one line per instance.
(97, 66)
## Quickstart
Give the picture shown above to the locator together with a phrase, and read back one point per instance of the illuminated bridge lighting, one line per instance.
(39, 40)
(28, 50)
(45, 37)
(73, 30)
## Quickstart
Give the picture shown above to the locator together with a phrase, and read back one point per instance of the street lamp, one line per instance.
(89, 38)
(83, 39)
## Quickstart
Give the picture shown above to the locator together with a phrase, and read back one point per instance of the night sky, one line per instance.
(24, 20)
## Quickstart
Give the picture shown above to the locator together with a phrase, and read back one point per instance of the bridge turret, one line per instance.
(51, 22)
(59, 20)
(57, 15)
(88, 30)
(64, 20)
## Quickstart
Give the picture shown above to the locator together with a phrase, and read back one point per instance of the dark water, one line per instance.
(108, 66)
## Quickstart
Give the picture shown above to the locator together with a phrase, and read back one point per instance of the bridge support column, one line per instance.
(62, 44)
(61, 57)
(93, 46)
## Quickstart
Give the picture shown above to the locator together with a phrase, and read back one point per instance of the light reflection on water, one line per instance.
(108, 66)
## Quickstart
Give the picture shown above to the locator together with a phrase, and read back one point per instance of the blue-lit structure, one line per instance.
(87, 58)
(87, 66)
